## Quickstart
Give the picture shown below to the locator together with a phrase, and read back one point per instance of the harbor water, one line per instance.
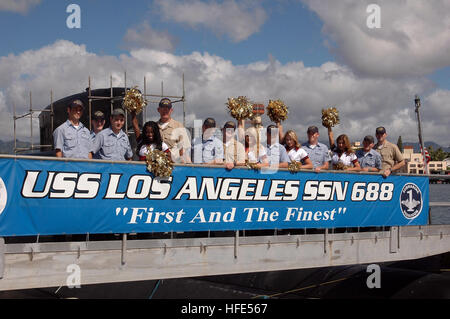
(440, 193)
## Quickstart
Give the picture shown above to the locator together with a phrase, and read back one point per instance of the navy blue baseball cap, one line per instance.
(165, 102)
(75, 103)
(380, 130)
(118, 111)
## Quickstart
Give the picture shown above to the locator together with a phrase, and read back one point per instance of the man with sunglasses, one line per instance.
(72, 139)
(392, 158)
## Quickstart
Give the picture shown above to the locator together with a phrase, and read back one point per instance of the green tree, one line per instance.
(430, 151)
(437, 155)
(400, 144)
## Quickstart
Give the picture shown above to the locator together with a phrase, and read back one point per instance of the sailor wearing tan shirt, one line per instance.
(392, 158)
(234, 151)
(173, 133)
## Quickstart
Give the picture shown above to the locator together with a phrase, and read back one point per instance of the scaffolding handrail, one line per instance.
(30, 114)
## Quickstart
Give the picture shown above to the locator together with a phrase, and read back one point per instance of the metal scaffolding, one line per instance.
(177, 98)
(148, 96)
(31, 116)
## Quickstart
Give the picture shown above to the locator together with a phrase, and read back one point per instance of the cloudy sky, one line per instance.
(310, 53)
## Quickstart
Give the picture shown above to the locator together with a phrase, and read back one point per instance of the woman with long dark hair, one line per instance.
(149, 139)
(344, 157)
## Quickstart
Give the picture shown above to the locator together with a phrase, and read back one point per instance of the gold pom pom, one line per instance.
(340, 166)
(251, 165)
(330, 117)
(134, 101)
(240, 108)
(294, 166)
(277, 111)
(159, 163)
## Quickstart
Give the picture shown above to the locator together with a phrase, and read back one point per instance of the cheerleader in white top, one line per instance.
(149, 139)
(295, 151)
(344, 158)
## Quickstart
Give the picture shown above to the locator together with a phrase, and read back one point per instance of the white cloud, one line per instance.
(364, 103)
(435, 112)
(236, 19)
(3, 108)
(18, 6)
(144, 36)
(414, 38)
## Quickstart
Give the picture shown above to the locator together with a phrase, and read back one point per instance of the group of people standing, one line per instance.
(73, 140)
(237, 147)
(240, 145)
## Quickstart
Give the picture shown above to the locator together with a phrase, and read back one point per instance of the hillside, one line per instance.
(427, 144)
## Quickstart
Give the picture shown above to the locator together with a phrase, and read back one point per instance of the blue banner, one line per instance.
(50, 197)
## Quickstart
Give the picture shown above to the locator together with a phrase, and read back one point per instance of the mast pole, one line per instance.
(417, 104)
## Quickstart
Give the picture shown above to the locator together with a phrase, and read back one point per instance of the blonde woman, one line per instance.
(295, 150)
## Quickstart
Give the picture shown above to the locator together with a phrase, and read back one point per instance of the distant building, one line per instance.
(414, 163)
(436, 167)
(447, 162)
(356, 145)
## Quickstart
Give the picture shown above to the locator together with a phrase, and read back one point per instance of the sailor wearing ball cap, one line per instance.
(317, 152)
(72, 138)
(112, 143)
(392, 158)
(173, 133)
(369, 159)
(97, 122)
